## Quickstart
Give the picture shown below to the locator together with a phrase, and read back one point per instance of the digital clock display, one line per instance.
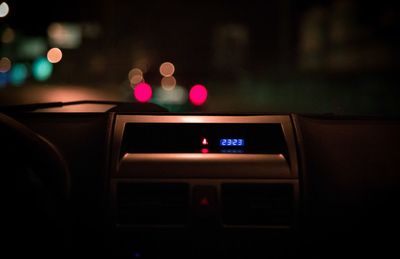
(205, 138)
(231, 142)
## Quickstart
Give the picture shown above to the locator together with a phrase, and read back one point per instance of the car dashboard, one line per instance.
(161, 185)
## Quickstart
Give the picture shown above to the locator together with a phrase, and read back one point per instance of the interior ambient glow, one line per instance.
(5, 65)
(198, 95)
(167, 69)
(4, 9)
(54, 55)
(168, 83)
(142, 92)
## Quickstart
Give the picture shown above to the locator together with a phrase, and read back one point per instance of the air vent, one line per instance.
(257, 204)
(152, 203)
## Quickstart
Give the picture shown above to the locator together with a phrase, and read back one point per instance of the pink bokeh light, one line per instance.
(142, 92)
(198, 95)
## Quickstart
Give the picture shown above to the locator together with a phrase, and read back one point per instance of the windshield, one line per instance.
(339, 57)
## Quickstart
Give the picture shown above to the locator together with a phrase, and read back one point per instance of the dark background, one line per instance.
(253, 56)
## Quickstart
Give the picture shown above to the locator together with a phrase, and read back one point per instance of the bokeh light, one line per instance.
(135, 76)
(3, 79)
(18, 74)
(54, 55)
(176, 96)
(143, 92)
(65, 35)
(167, 69)
(198, 95)
(42, 69)
(29, 48)
(55, 30)
(4, 9)
(8, 36)
(5, 64)
(168, 83)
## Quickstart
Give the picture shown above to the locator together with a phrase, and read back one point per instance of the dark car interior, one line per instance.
(200, 129)
(156, 185)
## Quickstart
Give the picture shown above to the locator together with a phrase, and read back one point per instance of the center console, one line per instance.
(195, 186)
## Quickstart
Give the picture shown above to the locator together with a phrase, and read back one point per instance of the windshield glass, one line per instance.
(278, 56)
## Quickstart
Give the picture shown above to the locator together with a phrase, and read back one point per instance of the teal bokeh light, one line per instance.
(18, 74)
(42, 69)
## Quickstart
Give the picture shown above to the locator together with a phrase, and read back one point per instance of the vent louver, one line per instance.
(152, 203)
(257, 204)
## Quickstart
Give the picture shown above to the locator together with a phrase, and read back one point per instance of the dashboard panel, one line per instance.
(175, 166)
(286, 186)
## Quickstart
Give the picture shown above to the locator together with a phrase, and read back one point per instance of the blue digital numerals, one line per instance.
(231, 142)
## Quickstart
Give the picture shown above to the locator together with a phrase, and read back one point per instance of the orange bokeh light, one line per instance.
(167, 69)
(54, 55)
(168, 83)
(135, 76)
(5, 65)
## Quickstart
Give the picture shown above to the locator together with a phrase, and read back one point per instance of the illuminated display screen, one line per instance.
(203, 138)
(231, 142)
